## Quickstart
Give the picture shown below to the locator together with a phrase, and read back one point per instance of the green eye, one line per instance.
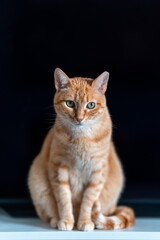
(70, 104)
(91, 105)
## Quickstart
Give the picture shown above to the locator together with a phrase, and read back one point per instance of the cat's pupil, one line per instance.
(91, 105)
(70, 104)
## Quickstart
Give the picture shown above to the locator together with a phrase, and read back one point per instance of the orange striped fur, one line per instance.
(77, 178)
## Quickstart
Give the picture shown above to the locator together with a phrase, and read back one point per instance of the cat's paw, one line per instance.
(54, 222)
(65, 225)
(85, 225)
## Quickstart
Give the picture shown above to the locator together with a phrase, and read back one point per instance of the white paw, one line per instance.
(85, 225)
(65, 225)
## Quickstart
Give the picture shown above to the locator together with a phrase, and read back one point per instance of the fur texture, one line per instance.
(77, 178)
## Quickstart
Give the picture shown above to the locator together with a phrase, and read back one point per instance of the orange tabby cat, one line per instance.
(77, 178)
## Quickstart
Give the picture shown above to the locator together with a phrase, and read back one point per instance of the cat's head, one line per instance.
(78, 100)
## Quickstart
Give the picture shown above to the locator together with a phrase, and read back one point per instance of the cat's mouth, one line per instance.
(79, 123)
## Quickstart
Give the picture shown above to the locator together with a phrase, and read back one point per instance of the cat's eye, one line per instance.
(70, 104)
(91, 105)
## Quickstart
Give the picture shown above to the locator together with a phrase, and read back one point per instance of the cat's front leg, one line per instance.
(90, 195)
(61, 188)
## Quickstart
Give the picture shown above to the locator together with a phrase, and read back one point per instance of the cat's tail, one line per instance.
(123, 217)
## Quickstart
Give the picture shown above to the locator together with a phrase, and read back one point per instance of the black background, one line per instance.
(84, 38)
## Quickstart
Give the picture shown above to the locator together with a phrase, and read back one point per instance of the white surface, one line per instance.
(33, 228)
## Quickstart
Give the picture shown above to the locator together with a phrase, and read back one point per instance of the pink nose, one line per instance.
(79, 119)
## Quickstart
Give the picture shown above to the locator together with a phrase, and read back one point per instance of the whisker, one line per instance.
(48, 128)
(49, 107)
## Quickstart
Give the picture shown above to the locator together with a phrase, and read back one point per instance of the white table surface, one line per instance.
(12, 228)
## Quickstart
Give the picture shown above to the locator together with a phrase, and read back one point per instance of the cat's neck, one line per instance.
(89, 129)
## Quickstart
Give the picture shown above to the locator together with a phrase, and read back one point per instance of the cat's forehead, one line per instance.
(81, 83)
(81, 87)
(81, 80)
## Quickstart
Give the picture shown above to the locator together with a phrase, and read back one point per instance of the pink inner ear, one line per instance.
(103, 86)
(58, 84)
(61, 79)
(101, 82)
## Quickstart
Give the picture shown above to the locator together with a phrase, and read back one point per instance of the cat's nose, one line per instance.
(79, 119)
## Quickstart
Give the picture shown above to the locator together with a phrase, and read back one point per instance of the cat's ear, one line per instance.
(61, 79)
(100, 83)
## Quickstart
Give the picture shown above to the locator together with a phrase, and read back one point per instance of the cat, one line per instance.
(77, 177)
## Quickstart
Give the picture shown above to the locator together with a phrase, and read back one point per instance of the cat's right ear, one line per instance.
(61, 79)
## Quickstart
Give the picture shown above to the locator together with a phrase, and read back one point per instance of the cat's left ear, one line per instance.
(61, 79)
(101, 82)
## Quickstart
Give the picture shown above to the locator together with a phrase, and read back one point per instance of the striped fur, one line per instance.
(123, 217)
(77, 178)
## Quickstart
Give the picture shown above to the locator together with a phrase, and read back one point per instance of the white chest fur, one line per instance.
(80, 171)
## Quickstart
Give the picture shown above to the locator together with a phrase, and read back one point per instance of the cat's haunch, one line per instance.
(77, 177)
